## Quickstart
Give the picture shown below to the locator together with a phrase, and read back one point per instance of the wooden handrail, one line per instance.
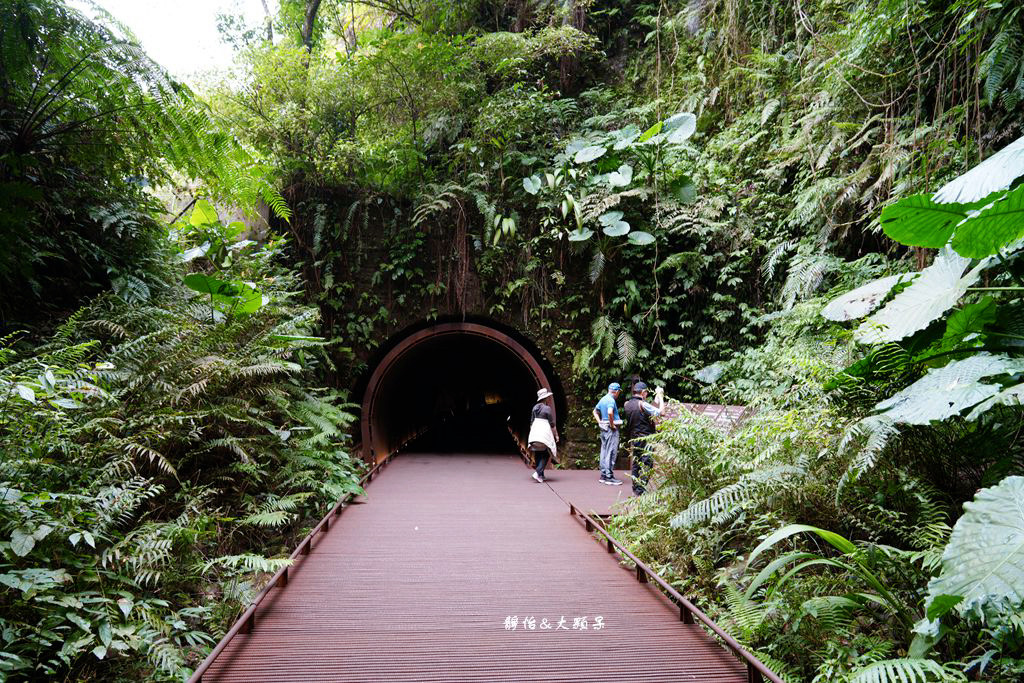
(247, 621)
(756, 670)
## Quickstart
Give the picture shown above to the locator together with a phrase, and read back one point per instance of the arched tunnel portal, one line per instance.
(455, 387)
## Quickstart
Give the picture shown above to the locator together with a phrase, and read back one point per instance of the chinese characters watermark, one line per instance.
(516, 623)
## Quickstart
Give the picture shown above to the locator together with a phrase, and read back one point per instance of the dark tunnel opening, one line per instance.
(453, 388)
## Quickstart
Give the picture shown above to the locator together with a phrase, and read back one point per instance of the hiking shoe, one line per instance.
(612, 481)
(538, 478)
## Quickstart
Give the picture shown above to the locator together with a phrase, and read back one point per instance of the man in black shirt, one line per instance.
(640, 424)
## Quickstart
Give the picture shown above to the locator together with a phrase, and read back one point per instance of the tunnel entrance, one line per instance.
(461, 387)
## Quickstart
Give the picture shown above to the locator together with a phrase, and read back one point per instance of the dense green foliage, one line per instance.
(87, 122)
(675, 185)
(733, 199)
(161, 444)
(152, 456)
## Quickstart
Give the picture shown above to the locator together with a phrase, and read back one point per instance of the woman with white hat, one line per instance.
(543, 433)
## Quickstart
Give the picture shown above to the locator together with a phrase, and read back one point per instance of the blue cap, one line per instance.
(614, 386)
(639, 386)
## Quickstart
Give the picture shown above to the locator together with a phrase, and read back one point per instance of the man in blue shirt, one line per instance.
(606, 413)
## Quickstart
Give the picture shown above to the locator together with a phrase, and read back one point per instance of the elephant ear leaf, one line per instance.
(680, 127)
(935, 290)
(984, 560)
(919, 221)
(640, 238)
(992, 175)
(998, 224)
(946, 391)
(589, 154)
(203, 214)
(206, 284)
(859, 302)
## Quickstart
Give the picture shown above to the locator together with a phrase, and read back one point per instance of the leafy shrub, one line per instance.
(153, 457)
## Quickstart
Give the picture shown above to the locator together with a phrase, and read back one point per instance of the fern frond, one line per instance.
(906, 671)
(728, 501)
(626, 347)
(876, 431)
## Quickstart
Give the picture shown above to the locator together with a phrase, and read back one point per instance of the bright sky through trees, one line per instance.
(181, 35)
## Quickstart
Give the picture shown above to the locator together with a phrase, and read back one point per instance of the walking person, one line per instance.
(640, 425)
(543, 434)
(606, 413)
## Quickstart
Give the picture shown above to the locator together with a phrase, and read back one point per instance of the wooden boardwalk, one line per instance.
(424, 581)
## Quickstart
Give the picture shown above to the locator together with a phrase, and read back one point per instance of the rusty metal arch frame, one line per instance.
(432, 333)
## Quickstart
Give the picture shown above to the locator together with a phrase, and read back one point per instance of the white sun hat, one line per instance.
(543, 394)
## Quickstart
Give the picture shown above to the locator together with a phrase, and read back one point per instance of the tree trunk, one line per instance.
(312, 7)
(577, 19)
(268, 22)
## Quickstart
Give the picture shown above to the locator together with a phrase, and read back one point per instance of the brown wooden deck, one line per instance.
(419, 584)
(581, 488)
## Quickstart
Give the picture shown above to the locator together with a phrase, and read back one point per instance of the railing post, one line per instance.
(248, 624)
(611, 546)
(282, 580)
(589, 525)
(685, 615)
(305, 547)
(753, 675)
(641, 575)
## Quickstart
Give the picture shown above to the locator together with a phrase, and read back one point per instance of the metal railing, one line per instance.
(757, 672)
(247, 621)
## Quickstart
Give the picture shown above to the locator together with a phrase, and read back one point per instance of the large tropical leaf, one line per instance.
(624, 137)
(946, 391)
(984, 560)
(859, 302)
(612, 223)
(679, 128)
(580, 235)
(918, 221)
(969, 322)
(203, 214)
(589, 154)
(206, 284)
(936, 290)
(994, 227)
(1011, 396)
(239, 297)
(621, 177)
(995, 173)
(248, 299)
(641, 238)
